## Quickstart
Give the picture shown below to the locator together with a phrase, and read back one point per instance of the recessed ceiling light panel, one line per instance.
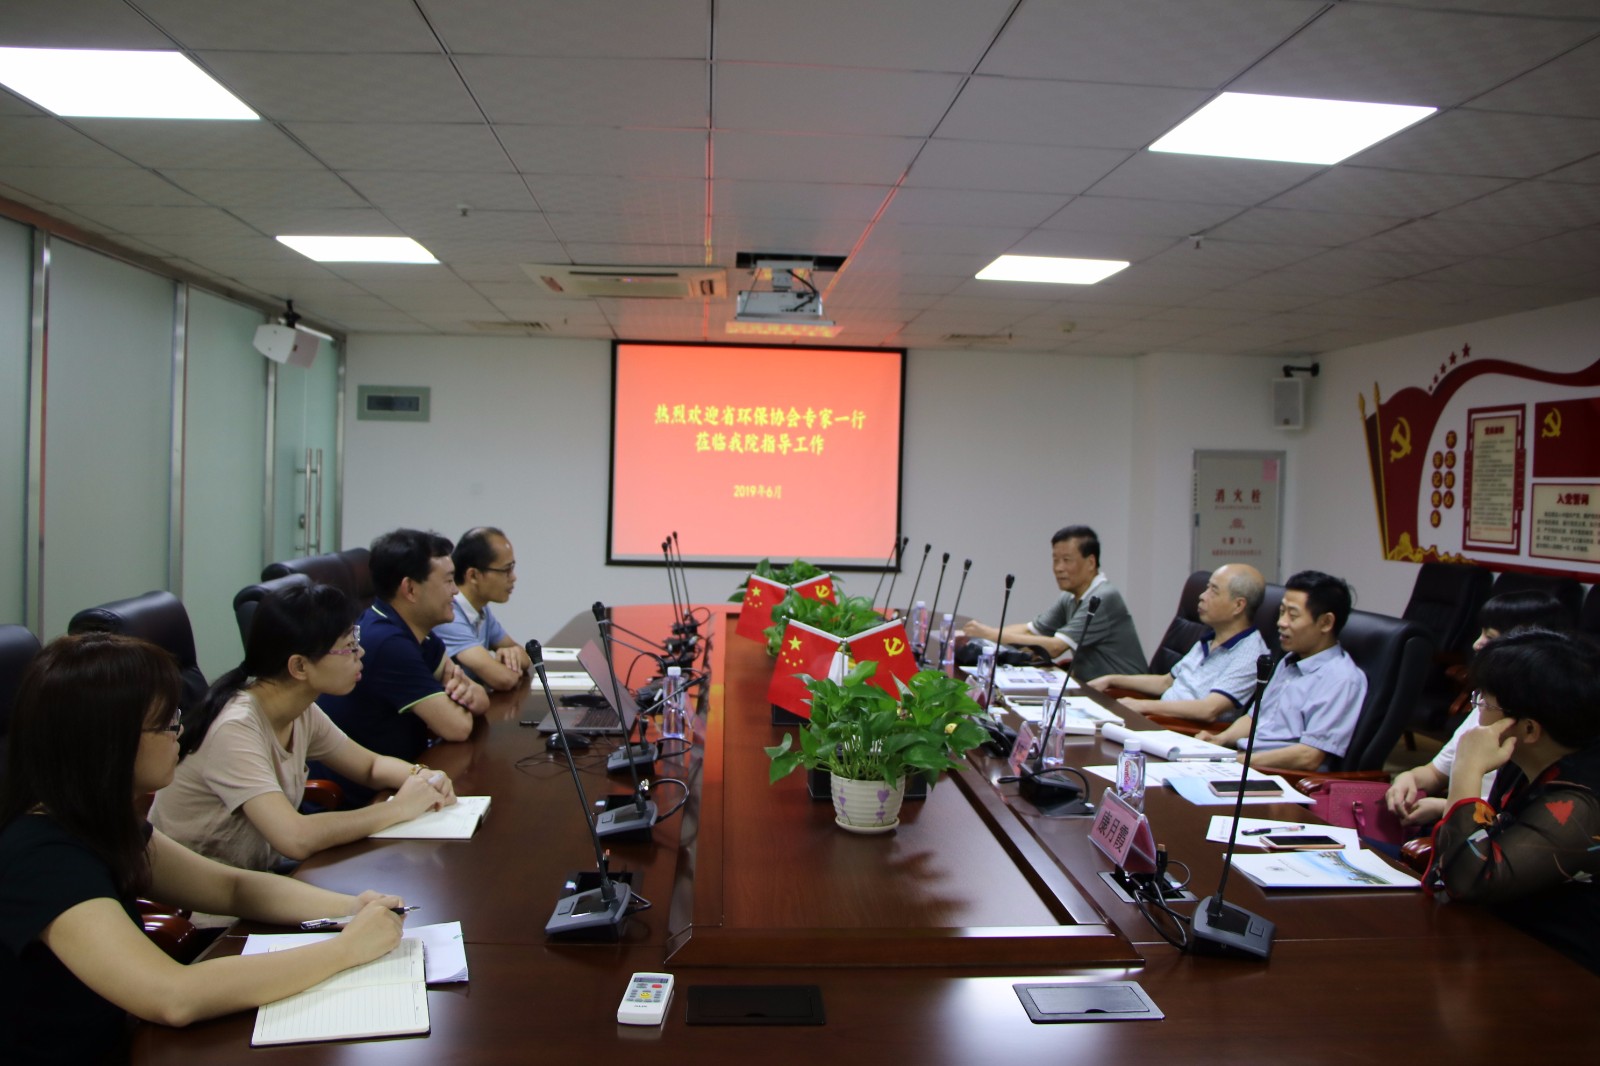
(94, 83)
(1050, 269)
(360, 249)
(1287, 129)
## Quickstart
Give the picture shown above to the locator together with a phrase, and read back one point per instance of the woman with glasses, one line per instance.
(93, 731)
(1417, 796)
(236, 795)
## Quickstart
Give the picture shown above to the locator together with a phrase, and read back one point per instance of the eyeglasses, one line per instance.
(174, 727)
(353, 647)
(507, 569)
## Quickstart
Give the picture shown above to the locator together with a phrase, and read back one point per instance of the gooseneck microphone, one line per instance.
(888, 564)
(1005, 604)
(598, 909)
(1221, 928)
(933, 612)
(894, 575)
(640, 815)
(690, 624)
(1043, 786)
(955, 608)
(912, 600)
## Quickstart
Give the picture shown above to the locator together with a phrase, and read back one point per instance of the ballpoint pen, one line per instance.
(316, 924)
(1272, 829)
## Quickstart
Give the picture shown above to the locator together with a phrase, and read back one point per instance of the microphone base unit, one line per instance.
(626, 820)
(1043, 788)
(1233, 932)
(588, 914)
(643, 755)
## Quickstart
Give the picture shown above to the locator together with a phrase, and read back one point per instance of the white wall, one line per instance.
(1000, 450)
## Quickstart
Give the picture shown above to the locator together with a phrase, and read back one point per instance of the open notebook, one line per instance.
(385, 997)
(455, 822)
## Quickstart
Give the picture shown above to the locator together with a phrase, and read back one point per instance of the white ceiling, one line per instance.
(921, 138)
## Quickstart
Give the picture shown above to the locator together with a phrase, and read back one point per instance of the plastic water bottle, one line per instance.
(674, 706)
(1130, 773)
(917, 625)
(947, 645)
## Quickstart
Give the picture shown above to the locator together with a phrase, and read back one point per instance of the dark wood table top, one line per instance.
(915, 938)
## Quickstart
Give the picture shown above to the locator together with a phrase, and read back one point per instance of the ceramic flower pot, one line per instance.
(867, 806)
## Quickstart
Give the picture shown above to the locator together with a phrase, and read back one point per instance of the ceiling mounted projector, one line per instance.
(286, 341)
(793, 304)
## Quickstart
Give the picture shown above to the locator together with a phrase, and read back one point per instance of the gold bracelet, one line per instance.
(417, 768)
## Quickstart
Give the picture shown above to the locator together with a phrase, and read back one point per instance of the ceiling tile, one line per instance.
(178, 143)
(345, 88)
(798, 200)
(605, 150)
(1110, 214)
(1398, 56)
(573, 193)
(348, 222)
(588, 92)
(80, 24)
(1579, 246)
(105, 185)
(1586, 172)
(811, 157)
(870, 102)
(986, 240)
(1244, 182)
(294, 25)
(159, 221)
(1038, 168)
(1077, 114)
(432, 191)
(560, 28)
(1385, 192)
(38, 137)
(1567, 85)
(1451, 238)
(1376, 263)
(961, 207)
(449, 223)
(627, 229)
(1130, 246)
(890, 34)
(1481, 142)
(1214, 254)
(1329, 228)
(1532, 203)
(1198, 43)
(267, 188)
(402, 146)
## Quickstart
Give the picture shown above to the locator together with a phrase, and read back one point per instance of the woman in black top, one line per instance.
(94, 729)
(1531, 851)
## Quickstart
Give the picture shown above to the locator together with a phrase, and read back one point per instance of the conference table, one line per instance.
(915, 938)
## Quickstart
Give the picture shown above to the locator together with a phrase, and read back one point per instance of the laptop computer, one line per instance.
(602, 720)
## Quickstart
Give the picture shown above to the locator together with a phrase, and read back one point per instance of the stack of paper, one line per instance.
(455, 822)
(1167, 744)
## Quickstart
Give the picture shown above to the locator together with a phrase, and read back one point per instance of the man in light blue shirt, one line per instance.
(486, 572)
(1309, 711)
(1218, 675)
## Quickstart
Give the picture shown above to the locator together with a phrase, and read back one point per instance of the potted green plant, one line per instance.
(843, 617)
(789, 574)
(868, 740)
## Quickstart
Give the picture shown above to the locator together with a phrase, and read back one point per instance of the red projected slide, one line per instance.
(753, 452)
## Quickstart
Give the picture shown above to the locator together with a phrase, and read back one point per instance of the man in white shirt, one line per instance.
(1218, 675)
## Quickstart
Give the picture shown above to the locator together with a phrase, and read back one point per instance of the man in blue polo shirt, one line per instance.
(1310, 707)
(1218, 675)
(410, 691)
(486, 573)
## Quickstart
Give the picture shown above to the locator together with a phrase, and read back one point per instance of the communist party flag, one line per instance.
(762, 594)
(806, 651)
(887, 646)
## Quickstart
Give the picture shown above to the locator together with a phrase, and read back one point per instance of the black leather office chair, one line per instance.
(330, 569)
(244, 603)
(18, 646)
(1395, 655)
(1589, 617)
(360, 563)
(158, 617)
(1445, 601)
(1267, 618)
(1186, 627)
(1568, 590)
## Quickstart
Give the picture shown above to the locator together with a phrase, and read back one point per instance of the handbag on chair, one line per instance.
(1359, 805)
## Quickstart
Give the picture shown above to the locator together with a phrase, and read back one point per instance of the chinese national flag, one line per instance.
(762, 595)
(803, 651)
(888, 647)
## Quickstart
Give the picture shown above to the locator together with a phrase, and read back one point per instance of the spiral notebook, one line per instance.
(384, 997)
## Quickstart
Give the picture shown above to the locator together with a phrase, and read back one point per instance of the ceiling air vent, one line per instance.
(512, 329)
(978, 340)
(629, 282)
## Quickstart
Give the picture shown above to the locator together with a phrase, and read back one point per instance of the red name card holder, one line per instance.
(1021, 749)
(1124, 835)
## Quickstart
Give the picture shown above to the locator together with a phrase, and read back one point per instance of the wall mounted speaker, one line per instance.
(1288, 403)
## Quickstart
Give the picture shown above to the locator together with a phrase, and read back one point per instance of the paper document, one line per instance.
(444, 950)
(1197, 790)
(1322, 869)
(1217, 833)
(385, 997)
(567, 680)
(1167, 744)
(455, 822)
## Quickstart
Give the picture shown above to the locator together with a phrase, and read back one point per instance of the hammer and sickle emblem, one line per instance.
(1400, 437)
(821, 591)
(894, 646)
(1552, 423)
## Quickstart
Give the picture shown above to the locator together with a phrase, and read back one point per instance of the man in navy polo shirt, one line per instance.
(1218, 674)
(410, 691)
